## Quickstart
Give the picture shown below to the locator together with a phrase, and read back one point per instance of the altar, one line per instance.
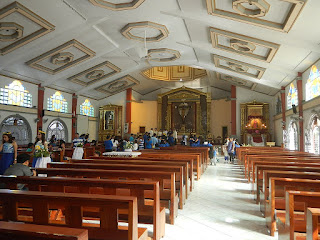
(255, 123)
(186, 110)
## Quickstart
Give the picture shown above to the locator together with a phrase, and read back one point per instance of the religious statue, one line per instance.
(183, 111)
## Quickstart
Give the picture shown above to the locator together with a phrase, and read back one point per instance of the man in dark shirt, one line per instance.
(21, 168)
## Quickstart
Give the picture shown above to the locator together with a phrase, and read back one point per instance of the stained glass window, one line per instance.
(292, 98)
(313, 84)
(87, 109)
(57, 103)
(15, 94)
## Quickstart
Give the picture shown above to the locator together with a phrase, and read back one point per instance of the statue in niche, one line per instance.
(109, 120)
(183, 111)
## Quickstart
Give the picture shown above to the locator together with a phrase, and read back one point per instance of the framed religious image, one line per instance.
(110, 122)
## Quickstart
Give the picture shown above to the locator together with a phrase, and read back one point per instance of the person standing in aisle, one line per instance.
(9, 149)
(77, 145)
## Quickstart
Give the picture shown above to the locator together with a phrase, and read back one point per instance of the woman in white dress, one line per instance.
(41, 146)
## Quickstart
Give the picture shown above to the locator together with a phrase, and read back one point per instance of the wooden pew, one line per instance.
(168, 195)
(21, 231)
(313, 215)
(276, 197)
(41, 202)
(157, 160)
(181, 189)
(295, 225)
(197, 166)
(284, 162)
(265, 182)
(184, 165)
(106, 187)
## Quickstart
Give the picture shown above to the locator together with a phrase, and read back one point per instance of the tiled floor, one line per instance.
(220, 207)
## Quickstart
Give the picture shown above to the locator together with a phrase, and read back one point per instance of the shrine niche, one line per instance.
(110, 122)
(186, 110)
(255, 123)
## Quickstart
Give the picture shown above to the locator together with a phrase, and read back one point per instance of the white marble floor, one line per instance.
(220, 207)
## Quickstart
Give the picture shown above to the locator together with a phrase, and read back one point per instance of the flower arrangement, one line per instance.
(40, 152)
(128, 145)
(79, 145)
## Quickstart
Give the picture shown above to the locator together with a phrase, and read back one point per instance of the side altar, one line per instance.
(186, 110)
(255, 123)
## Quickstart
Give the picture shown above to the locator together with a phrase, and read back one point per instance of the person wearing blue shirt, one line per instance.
(108, 144)
(131, 139)
(154, 139)
(149, 143)
(171, 140)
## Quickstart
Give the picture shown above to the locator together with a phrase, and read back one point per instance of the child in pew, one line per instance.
(21, 169)
(97, 154)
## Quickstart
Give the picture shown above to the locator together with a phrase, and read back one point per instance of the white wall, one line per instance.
(246, 95)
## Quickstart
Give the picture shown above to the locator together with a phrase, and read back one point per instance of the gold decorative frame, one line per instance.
(236, 39)
(285, 26)
(117, 7)
(176, 55)
(124, 83)
(174, 73)
(34, 63)
(95, 74)
(162, 29)
(16, 7)
(262, 7)
(117, 124)
(238, 65)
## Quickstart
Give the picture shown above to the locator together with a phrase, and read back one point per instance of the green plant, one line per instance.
(41, 153)
(128, 145)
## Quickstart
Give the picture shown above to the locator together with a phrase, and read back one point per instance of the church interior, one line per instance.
(159, 119)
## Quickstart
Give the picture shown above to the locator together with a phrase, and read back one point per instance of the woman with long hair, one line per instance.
(41, 145)
(9, 149)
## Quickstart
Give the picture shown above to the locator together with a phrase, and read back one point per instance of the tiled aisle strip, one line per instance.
(220, 207)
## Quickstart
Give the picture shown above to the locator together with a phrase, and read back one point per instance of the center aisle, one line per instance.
(220, 207)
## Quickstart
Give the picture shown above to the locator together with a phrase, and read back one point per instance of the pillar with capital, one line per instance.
(233, 110)
(40, 106)
(300, 101)
(283, 111)
(129, 108)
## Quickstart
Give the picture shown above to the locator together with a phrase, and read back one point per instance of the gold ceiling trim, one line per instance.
(262, 7)
(18, 39)
(95, 74)
(117, 7)
(238, 41)
(118, 85)
(233, 80)
(163, 31)
(285, 26)
(35, 62)
(238, 67)
(174, 73)
(175, 55)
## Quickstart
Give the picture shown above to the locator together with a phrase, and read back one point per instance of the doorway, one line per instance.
(224, 133)
(142, 129)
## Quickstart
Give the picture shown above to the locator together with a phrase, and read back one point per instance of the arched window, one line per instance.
(292, 136)
(15, 94)
(313, 84)
(292, 98)
(57, 103)
(19, 128)
(312, 135)
(87, 109)
(59, 129)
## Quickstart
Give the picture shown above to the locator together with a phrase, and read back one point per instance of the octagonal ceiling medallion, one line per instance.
(95, 74)
(13, 34)
(243, 45)
(238, 67)
(174, 73)
(62, 57)
(163, 55)
(117, 6)
(163, 31)
(118, 85)
(255, 12)
(260, 10)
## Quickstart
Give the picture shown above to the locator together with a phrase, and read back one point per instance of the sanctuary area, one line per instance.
(159, 119)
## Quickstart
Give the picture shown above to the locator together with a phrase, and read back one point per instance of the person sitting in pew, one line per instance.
(21, 169)
(97, 154)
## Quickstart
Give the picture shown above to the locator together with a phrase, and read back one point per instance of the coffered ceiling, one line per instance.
(97, 48)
